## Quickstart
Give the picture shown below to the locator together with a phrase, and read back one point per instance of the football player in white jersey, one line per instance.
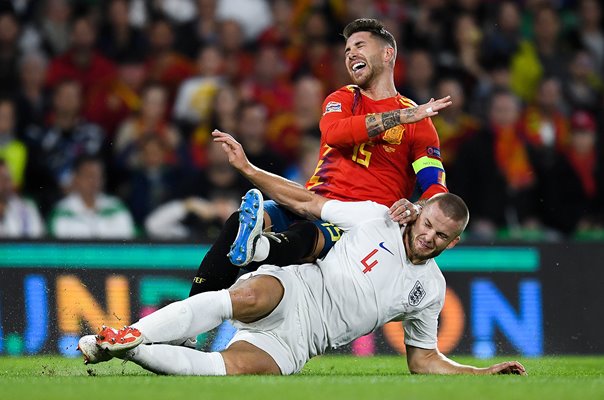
(376, 273)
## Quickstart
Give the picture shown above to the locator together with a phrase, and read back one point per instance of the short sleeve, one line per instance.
(346, 215)
(421, 329)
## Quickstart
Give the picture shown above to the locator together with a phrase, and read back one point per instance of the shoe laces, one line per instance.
(277, 237)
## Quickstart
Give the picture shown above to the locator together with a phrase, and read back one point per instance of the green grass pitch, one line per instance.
(327, 377)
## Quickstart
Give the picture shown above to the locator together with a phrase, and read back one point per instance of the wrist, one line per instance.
(248, 170)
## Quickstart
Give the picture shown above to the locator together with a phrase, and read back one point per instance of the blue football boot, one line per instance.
(251, 215)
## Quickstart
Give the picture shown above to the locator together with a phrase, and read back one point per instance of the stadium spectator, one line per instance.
(232, 44)
(54, 29)
(546, 130)
(498, 180)
(225, 113)
(589, 34)
(462, 58)
(428, 26)
(317, 55)
(419, 82)
(545, 125)
(201, 31)
(306, 165)
(12, 151)
(88, 213)
(192, 218)
(217, 185)
(254, 16)
(268, 84)
(282, 32)
(163, 64)
(153, 182)
(151, 120)
(55, 147)
(32, 100)
(118, 40)
(497, 77)
(288, 315)
(502, 38)
(288, 129)
(454, 126)
(9, 53)
(19, 217)
(252, 131)
(111, 103)
(544, 57)
(177, 11)
(195, 96)
(584, 86)
(584, 161)
(82, 62)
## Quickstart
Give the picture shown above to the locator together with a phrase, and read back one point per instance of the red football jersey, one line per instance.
(353, 167)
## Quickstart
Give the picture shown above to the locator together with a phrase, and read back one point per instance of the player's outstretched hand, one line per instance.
(233, 149)
(428, 109)
(508, 367)
(403, 211)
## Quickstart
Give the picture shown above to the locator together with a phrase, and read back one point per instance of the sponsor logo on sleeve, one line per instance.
(333, 106)
(433, 151)
(417, 294)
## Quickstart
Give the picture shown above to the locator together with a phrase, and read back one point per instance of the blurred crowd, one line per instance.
(107, 108)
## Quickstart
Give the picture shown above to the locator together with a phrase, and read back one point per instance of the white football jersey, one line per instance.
(368, 281)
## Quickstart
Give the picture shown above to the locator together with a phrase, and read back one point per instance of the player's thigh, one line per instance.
(277, 217)
(256, 297)
(329, 234)
(245, 358)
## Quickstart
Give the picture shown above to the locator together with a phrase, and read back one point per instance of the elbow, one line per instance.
(334, 139)
(331, 142)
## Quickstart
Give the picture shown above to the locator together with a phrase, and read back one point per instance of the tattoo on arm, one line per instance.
(409, 113)
(391, 119)
(372, 125)
(379, 123)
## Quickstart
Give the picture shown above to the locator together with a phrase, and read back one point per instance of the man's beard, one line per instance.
(414, 253)
(366, 81)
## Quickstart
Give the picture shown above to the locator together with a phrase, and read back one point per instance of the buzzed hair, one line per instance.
(453, 207)
(369, 25)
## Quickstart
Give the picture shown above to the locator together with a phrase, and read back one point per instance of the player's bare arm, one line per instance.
(423, 361)
(283, 191)
(378, 123)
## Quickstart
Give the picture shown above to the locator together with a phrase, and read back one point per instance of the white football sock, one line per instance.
(186, 318)
(263, 246)
(176, 360)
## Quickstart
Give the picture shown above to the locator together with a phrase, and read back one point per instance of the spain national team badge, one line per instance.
(417, 294)
(394, 135)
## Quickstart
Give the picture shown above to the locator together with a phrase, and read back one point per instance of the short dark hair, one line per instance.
(85, 159)
(453, 207)
(369, 25)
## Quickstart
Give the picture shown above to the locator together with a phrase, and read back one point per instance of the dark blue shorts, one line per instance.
(282, 218)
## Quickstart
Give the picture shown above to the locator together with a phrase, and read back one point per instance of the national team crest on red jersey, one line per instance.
(394, 135)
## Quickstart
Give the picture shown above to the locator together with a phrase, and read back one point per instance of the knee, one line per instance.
(255, 298)
(246, 297)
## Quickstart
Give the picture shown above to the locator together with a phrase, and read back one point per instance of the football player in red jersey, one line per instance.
(375, 144)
